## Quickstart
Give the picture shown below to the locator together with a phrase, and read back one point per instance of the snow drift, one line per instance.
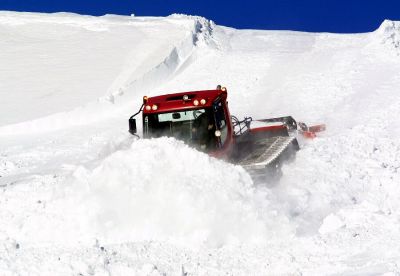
(148, 192)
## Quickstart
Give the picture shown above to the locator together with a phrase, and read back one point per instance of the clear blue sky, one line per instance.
(304, 15)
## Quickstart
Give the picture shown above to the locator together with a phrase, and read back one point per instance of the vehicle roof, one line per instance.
(174, 102)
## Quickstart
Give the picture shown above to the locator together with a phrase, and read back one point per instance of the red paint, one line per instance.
(308, 134)
(175, 102)
(268, 128)
(317, 128)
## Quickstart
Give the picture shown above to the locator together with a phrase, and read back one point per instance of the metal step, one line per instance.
(268, 150)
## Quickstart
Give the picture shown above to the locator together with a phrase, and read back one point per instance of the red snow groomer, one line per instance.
(202, 120)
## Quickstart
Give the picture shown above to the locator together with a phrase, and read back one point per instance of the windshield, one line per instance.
(195, 127)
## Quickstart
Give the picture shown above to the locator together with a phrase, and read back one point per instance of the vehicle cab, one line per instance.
(199, 118)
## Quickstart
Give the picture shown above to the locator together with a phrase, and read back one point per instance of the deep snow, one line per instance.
(80, 196)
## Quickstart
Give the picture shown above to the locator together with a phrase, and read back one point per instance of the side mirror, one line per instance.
(132, 126)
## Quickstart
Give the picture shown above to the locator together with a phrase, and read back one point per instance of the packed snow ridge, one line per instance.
(390, 31)
(80, 196)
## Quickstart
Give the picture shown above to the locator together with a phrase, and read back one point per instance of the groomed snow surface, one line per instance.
(80, 196)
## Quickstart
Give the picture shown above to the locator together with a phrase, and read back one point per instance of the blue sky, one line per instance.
(340, 16)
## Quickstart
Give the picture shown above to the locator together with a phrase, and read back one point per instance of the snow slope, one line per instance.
(80, 196)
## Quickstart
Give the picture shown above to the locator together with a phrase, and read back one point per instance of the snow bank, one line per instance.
(389, 33)
(158, 190)
(163, 190)
(150, 51)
